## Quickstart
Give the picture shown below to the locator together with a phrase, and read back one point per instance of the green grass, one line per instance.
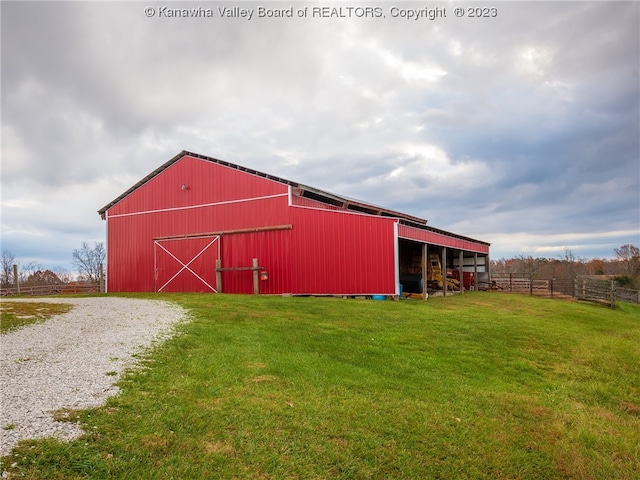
(14, 315)
(468, 387)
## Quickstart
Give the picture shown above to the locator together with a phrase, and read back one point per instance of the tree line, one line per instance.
(87, 260)
(624, 268)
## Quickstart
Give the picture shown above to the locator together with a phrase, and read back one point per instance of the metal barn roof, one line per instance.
(302, 190)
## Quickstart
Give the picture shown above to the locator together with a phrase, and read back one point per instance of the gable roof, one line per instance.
(301, 190)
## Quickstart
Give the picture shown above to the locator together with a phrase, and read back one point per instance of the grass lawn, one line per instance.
(477, 386)
(18, 314)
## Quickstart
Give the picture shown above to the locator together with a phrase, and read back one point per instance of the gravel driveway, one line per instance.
(71, 361)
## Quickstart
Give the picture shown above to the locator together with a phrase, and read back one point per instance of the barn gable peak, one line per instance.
(298, 189)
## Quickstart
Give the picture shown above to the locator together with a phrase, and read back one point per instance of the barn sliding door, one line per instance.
(186, 264)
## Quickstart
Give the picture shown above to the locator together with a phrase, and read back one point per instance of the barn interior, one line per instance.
(447, 269)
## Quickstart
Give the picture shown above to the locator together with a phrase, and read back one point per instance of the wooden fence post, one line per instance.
(613, 294)
(530, 285)
(551, 286)
(101, 285)
(218, 275)
(256, 279)
(16, 280)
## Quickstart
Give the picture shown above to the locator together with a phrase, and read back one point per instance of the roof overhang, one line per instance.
(443, 232)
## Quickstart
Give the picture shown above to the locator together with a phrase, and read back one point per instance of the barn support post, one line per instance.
(219, 275)
(475, 272)
(396, 262)
(444, 271)
(461, 270)
(16, 280)
(256, 279)
(425, 259)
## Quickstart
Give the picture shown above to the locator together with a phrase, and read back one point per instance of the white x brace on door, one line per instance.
(186, 264)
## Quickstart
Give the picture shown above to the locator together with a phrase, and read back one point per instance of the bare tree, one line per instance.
(6, 273)
(64, 275)
(629, 255)
(569, 257)
(629, 258)
(526, 264)
(571, 265)
(27, 270)
(88, 260)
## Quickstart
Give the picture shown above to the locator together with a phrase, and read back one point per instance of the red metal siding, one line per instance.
(130, 256)
(272, 251)
(434, 238)
(130, 238)
(217, 198)
(205, 183)
(341, 253)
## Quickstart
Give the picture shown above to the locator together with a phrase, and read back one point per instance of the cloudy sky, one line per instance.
(520, 128)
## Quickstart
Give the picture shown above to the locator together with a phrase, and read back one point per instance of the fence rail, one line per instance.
(523, 283)
(628, 295)
(42, 290)
(581, 288)
(600, 291)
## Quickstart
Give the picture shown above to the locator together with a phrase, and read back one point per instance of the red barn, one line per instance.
(197, 223)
